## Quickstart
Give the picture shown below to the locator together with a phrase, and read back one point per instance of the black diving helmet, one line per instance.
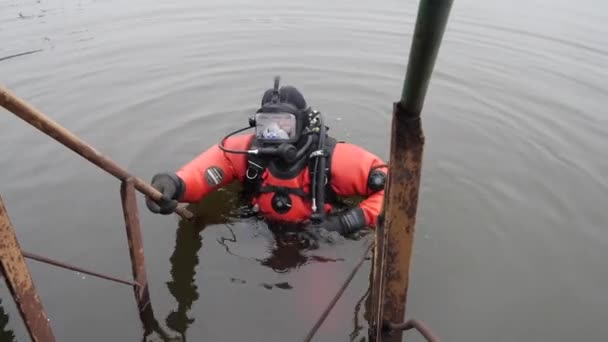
(279, 125)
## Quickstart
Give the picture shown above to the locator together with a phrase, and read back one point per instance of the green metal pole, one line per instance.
(428, 33)
(395, 234)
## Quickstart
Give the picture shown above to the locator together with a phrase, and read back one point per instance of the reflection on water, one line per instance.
(286, 251)
(214, 209)
(6, 334)
(291, 250)
(151, 325)
(357, 324)
(182, 286)
(512, 220)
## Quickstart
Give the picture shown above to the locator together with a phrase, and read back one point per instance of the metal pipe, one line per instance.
(20, 283)
(36, 118)
(406, 152)
(136, 248)
(428, 33)
(76, 268)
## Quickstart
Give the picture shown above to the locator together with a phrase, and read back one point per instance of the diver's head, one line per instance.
(282, 117)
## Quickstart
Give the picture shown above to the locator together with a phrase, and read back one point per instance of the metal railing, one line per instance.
(12, 257)
(396, 228)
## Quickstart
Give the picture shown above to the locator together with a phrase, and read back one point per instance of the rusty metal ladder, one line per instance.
(394, 238)
(12, 258)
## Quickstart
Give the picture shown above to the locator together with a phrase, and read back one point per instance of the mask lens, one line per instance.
(275, 127)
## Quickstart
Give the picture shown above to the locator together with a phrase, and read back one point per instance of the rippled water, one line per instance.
(512, 240)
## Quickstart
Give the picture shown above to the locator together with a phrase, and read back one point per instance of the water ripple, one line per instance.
(514, 175)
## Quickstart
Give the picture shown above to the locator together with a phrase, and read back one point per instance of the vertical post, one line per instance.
(136, 248)
(19, 281)
(136, 251)
(406, 151)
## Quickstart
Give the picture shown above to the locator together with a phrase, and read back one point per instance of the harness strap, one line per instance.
(254, 170)
(256, 167)
(319, 153)
(293, 191)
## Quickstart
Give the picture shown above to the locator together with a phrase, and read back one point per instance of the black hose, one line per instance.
(298, 155)
(221, 144)
(304, 149)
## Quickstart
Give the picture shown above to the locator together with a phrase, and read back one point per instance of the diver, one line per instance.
(291, 170)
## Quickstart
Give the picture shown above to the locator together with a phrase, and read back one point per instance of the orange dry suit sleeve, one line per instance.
(214, 168)
(350, 169)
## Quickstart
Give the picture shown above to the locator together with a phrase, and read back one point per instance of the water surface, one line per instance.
(511, 242)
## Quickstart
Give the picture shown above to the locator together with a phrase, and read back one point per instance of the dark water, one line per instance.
(512, 243)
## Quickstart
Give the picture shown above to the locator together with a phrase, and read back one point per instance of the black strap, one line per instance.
(253, 175)
(256, 167)
(330, 145)
(284, 189)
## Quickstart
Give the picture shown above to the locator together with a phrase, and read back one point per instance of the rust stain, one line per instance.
(400, 215)
(19, 282)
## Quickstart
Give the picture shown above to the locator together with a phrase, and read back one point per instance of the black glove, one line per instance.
(172, 187)
(345, 223)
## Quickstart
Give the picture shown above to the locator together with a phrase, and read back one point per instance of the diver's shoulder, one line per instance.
(347, 150)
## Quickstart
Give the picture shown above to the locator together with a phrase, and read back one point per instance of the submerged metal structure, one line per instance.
(20, 283)
(15, 270)
(395, 233)
(394, 236)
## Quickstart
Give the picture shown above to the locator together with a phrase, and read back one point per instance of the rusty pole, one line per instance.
(49, 127)
(406, 151)
(138, 265)
(136, 248)
(20, 283)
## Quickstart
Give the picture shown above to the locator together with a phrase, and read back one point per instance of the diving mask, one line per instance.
(276, 128)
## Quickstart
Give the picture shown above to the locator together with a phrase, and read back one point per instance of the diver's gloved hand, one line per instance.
(172, 187)
(345, 223)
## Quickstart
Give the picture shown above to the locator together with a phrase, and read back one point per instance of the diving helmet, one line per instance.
(282, 117)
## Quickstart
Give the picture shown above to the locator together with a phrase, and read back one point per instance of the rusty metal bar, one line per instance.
(419, 326)
(406, 152)
(77, 269)
(138, 265)
(136, 248)
(403, 181)
(20, 283)
(49, 127)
